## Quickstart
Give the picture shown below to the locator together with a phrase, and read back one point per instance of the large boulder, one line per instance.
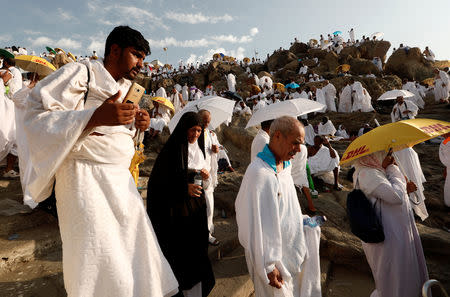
(317, 53)
(165, 83)
(236, 133)
(256, 68)
(371, 49)
(264, 73)
(292, 66)
(348, 53)
(144, 81)
(309, 62)
(328, 63)
(285, 75)
(279, 59)
(362, 66)
(409, 65)
(441, 64)
(299, 48)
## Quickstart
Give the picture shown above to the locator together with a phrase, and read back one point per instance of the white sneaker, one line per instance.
(11, 174)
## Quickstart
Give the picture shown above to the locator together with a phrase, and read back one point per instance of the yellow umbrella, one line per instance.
(246, 60)
(343, 68)
(164, 101)
(256, 89)
(398, 135)
(70, 55)
(59, 49)
(138, 158)
(279, 87)
(35, 64)
(313, 41)
(429, 81)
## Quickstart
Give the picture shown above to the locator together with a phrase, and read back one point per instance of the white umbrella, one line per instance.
(293, 108)
(221, 110)
(378, 35)
(326, 45)
(393, 94)
(178, 87)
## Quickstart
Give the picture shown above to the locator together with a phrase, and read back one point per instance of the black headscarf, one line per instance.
(179, 220)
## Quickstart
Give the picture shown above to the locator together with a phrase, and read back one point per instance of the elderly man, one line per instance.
(211, 157)
(80, 133)
(270, 220)
(403, 110)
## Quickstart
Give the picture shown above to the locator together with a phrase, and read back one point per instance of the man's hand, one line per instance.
(275, 279)
(142, 119)
(204, 173)
(411, 187)
(194, 190)
(215, 148)
(406, 112)
(111, 113)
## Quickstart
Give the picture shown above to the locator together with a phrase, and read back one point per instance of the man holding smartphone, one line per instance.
(80, 134)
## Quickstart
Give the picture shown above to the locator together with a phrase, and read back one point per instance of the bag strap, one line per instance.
(88, 81)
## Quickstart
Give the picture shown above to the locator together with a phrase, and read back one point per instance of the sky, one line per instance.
(193, 30)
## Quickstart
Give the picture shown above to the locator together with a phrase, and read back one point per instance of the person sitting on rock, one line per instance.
(323, 161)
(403, 111)
(326, 127)
(242, 109)
(159, 118)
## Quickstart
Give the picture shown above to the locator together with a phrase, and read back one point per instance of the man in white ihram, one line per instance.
(109, 245)
(282, 255)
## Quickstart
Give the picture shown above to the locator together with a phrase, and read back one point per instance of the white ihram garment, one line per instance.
(270, 228)
(408, 161)
(8, 124)
(258, 143)
(158, 122)
(309, 135)
(361, 98)
(397, 111)
(345, 99)
(327, 128)
(320, 97)
(25, 165)
(330, 94)
(417, 98)
(211, 166)
(231, 82)
(322, 165)
(298, 170)
(444, 156)
(398, 264)
(161, 92)
(109, 245)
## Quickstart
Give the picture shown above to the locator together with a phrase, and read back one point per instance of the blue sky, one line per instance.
(194, 30)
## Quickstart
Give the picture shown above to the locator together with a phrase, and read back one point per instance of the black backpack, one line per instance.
(364, 222)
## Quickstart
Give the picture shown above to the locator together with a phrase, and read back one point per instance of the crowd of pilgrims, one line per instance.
(193, 149)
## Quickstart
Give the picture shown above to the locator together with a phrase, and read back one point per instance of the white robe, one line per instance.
(25, 165)
(161, 92)
(270, 228)
(320, 97)
(259, 105)
(361, 98)
(327, 128)
(352, 35)
(158, 122)
(442, 86)
(322, 165)
(211, 165)
(185, 93)
(417, 98)
(298, 171)
(330, 94)
(258, 143)
(398, 264)
(303, 70)
(15, 83)
(175, 99)
(231, 82)
(109, 245)
(8, 124)
(309, 135)
(397, 111)
(444, 156)
(342, 133)
(409, 163)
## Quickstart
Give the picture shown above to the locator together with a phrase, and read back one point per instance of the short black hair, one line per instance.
(124, 37)
(266, 124)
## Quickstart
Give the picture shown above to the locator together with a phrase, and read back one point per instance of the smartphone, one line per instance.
(134, 94)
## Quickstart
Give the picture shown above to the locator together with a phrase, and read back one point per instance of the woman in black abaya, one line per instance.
(177, 207)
